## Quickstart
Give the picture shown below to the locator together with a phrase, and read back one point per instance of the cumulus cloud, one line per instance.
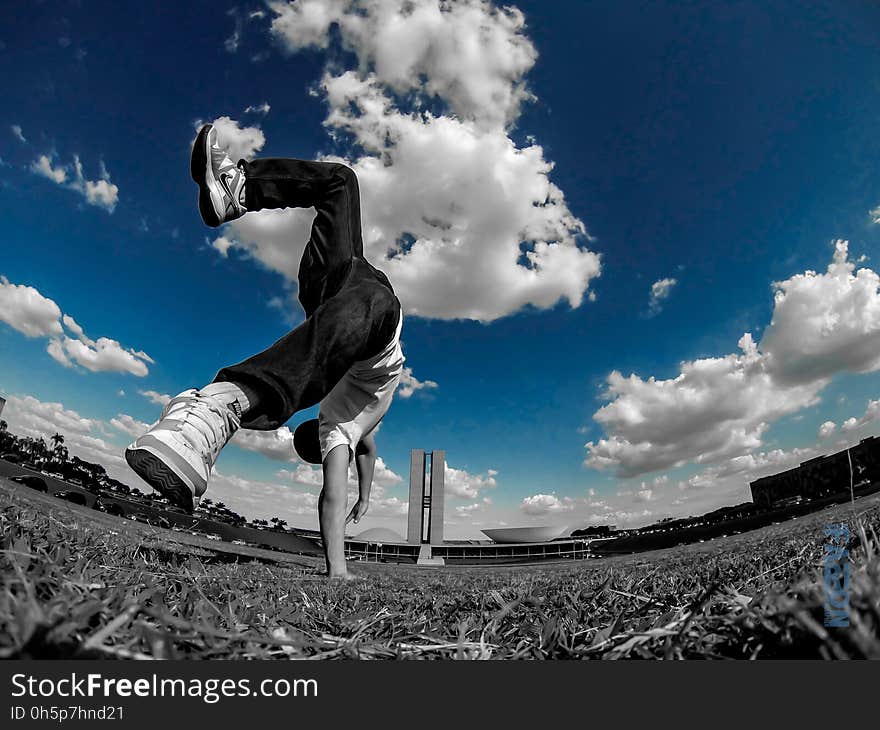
(19, 135)
(875, 215)
(101, 355)
(101, 192)
(410, 384)
(23, 308)
(468, 511)
(239, 142)
(871, 415)
(469, 54)
(825, 323)
(545, 504)
(28, 311)
(276, 445)
(719, 408)
(827, 429)
(660, 291)
(465, 223)
(129, 425)
(461, 483)
(160, 399)
(715, 408)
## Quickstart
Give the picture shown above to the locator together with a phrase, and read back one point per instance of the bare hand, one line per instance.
(359, 510)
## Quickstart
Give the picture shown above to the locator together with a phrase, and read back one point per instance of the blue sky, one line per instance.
(699, 151)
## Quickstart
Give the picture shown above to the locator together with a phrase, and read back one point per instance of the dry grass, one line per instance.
(72, 588)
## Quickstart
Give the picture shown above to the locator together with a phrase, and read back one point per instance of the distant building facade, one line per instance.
(822, 477)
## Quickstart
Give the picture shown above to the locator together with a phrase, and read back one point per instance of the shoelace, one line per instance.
(202, 413)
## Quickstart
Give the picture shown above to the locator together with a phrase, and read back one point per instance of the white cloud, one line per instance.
(160, 399)
(19, 135)
(258, 108)
(239, 142)
(34, 315)
(824, 324)
(544, 504)
(410, 384)
(469, 54)
(101, 355)
(715, 408)
(43, 166)
(718, 408)
(37, 418)
(467, 511)
(875, 215)
(871, 415)
(465, 223)
(101, 192)
(826, 429)
(276, 445)
(23, 308)
(660, 291)
(461, 483)
(129, 425)
(73, 325)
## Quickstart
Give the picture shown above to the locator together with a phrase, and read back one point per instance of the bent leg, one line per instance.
(298, 370)
(331, 188)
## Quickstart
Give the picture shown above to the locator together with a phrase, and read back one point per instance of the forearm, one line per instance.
(366, 465)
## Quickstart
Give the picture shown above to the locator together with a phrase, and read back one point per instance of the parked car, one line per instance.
(31, 481)
(110, 508)
(74, 497)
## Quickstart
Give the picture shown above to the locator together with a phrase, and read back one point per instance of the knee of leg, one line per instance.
(347, 174)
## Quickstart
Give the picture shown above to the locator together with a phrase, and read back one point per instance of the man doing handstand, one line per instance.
(346, 355)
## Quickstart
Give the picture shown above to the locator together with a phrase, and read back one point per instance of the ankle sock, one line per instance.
(230, 394)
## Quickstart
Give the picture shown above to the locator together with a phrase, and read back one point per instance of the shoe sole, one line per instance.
(160, 477)
(203, 175)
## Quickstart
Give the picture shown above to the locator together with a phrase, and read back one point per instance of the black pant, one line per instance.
(351, 310)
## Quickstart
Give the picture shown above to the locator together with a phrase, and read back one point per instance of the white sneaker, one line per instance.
(220, 180)
(176, 455)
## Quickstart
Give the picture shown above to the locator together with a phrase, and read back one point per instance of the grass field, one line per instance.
(79, 584)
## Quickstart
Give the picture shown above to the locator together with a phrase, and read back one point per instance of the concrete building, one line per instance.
(424, 544)
(856, 468)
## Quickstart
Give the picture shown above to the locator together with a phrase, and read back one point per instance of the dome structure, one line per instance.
(379, 534)
(545, 533)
